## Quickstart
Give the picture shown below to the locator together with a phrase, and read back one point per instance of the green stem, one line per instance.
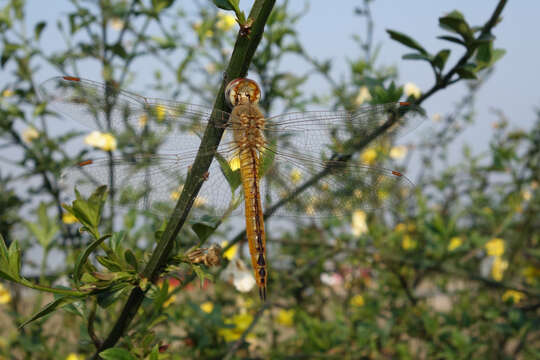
(238, 66)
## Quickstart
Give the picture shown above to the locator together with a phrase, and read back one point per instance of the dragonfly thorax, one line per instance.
(247, 124)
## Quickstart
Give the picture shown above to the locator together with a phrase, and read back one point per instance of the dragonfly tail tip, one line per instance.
(262, 293)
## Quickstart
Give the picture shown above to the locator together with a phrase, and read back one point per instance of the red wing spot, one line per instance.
(71, 78)
(84, 163)
(404, 103)
(397, 173)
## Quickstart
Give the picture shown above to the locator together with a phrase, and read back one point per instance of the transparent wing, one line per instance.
(324, 133)
(152, 183)
(307, 187)
(129, 116)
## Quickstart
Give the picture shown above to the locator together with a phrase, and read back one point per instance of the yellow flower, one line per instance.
(526, 195)
(74, 356)
(231, 252)
(363, 96)
(285, 317)
(161, 111)
(498, 267)
(455, 242)
(296, 176)
(411, 89)
(226, 22)
(207, 307)
(401, 227)
(69, 218)
(408, 243)
(495, 247)
(369, 156)
(175, 194)
(5, 296)
(199, 201)
(117, 24)
(383, 194)
(29, 134)
(7, 93)
(169, 301)
(398, 152)
(516, 296)
(436, 117)
(209, 33)
(241, 323)
(103, 141)
(234, 163)
(359, 225)
(357, 300)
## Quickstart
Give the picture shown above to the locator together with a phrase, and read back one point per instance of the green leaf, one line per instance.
(51, 307)
(154, 355)
(160, 5)
(119, 50)
(110, 264)
(440, 59)
(417, 56)
(108, 297)
(201, 274)
(455, 22)
(14, 255)
(81, 260)
(38, 29)
(205, 227)
(116, 354)
(486, 56)
(233, 176)
(88, 211)
(45, 229)
(406, 40)
(224, 4)
(3, 251)
(452, 39)
(467, 71)
(130, 258)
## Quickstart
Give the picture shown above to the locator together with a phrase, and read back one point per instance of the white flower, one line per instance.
(210, 68)
(412, 90)
(363, 96)
(332, 279)
(359, 225)
(240, 276)
(117, 24)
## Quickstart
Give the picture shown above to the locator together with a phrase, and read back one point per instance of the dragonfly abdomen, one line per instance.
(247, 124)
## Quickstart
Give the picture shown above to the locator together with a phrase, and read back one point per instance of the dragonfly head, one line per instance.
(242, 91)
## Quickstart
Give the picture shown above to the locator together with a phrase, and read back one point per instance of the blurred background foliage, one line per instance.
(454, 273)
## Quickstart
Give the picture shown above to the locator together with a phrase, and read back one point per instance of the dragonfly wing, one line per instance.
(152, 183)
(326, 132)
(126, 114)
(308, 187)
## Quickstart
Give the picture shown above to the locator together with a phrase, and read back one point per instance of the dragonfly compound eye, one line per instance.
(242, 91)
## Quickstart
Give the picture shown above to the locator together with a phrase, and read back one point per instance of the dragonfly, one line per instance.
(293, 165)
